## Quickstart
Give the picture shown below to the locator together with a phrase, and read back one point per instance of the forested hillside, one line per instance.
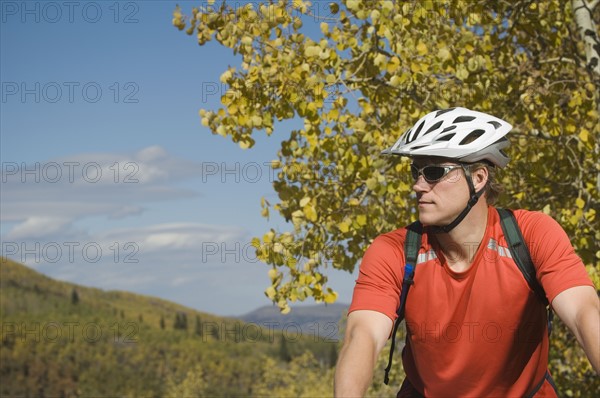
(61, 339)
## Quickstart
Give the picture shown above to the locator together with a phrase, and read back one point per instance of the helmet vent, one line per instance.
(417, 131)
(461, 119)
(495, 124)
(472, 136)
(447, 137)
(438, 113)
(448, 129)
(434, 127)
(418, 147)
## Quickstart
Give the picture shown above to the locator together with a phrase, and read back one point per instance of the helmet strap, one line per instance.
(474, 197)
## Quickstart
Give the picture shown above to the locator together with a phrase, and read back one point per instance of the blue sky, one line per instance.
(108, 178)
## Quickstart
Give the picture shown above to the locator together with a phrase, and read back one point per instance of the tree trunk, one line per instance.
(582, 10)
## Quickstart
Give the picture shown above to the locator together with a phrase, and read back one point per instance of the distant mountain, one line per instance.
(323, 321)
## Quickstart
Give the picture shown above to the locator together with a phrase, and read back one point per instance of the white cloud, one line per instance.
(151, 153)
(64, 190)
(38, 227)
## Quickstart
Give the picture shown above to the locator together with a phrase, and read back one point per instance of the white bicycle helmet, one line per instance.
(456, 133)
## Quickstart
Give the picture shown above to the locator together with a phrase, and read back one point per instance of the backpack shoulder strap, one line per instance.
(520, 252)
(412, 243)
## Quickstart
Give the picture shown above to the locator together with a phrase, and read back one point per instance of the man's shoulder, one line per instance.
(391, 240)
(534, 219)
(535, 225)
(394, 237)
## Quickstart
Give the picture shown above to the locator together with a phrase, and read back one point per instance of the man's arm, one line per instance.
(366, 335)
(579, 308)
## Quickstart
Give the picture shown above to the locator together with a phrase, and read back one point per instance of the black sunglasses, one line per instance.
(432, 173)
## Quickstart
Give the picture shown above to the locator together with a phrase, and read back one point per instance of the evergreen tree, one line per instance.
(181, 322)
(284, 351)
(198, 329)
(333, 354)
(74, 297)
(184, 321)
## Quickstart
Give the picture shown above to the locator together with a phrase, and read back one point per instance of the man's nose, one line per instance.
(420, 185)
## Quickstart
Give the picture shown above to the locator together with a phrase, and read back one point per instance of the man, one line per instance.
(475, 328)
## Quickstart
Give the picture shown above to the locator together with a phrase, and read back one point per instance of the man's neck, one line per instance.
(460, 245)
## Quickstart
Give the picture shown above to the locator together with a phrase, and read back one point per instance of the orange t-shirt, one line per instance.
(481, 332)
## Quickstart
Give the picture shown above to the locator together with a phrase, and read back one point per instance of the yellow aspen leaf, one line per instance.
(310, 212)
(270, 292)
(361, 219)
(273, 273)
(353, 202)
(584, 135)
(343, 227)
(297, 217)
(387, 6)
(324, 27)
(352, 4)
(444, 54)
(268, 237)
(546, 209)
(380, 60)
(287, 238)
(461, 72)
(333, 114)
(265, 212)
(422, 48)
(372, 183)
(226, 76)
(325, 54)
(375, 14)
(286, 309)
(277, 247)
(290, 261)
(312, 51)
(580, 203)
(574, 219)
(590, 215)
(304, 201)
(257, 120)
(330, 298)
(360, 125)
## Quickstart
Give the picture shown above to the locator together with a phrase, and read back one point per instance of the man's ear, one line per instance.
(480, 177)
